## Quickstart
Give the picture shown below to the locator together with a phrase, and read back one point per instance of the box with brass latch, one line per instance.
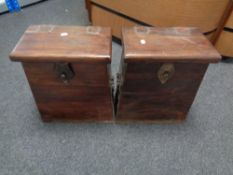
(161, 71)
(68, 70)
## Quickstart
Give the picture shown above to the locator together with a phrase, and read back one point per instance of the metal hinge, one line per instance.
(121, 75)
(111, 79)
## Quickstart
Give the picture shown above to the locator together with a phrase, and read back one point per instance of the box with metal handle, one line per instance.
(163, 69)
(67, 69)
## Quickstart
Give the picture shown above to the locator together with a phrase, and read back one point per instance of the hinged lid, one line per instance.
(175, 44)
(63, 43)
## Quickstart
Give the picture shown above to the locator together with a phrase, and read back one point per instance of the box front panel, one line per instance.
(144, 97)
(85, 97)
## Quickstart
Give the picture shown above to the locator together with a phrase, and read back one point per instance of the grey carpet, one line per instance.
(203, 145)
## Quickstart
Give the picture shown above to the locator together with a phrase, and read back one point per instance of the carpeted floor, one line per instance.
(203, 145)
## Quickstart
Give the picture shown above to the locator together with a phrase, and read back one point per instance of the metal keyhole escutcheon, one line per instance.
(166, 72)
(64, 72)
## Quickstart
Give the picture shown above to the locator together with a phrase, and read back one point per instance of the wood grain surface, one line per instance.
(67, 69)
(224, 43)
(63, 43)
(167, 44)
(229, 23)
(87, 97)
(105, 18)
(88, 7)
(224, 19)
(142, 95)
(204, 14)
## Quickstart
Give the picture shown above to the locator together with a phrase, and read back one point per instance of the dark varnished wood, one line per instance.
(167, 45)
(86, 74)
(63, 43)
(87, 50)
(86, 97)
(88, 7)
(142, 96)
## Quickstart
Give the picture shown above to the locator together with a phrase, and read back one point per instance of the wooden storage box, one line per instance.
(67, 69)
(161, 71)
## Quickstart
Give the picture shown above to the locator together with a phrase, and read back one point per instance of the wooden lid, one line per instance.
(63, 43)
(175, 44)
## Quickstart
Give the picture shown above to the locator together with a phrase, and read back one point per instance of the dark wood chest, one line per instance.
(68, 69)
(161, 71)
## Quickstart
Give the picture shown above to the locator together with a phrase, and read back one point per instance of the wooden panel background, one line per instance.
(204, 14)
(116, 22)
(101, 17)
(225, 42)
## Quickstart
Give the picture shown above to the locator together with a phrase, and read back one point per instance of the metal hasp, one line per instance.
(64, 72)
(166, 72)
